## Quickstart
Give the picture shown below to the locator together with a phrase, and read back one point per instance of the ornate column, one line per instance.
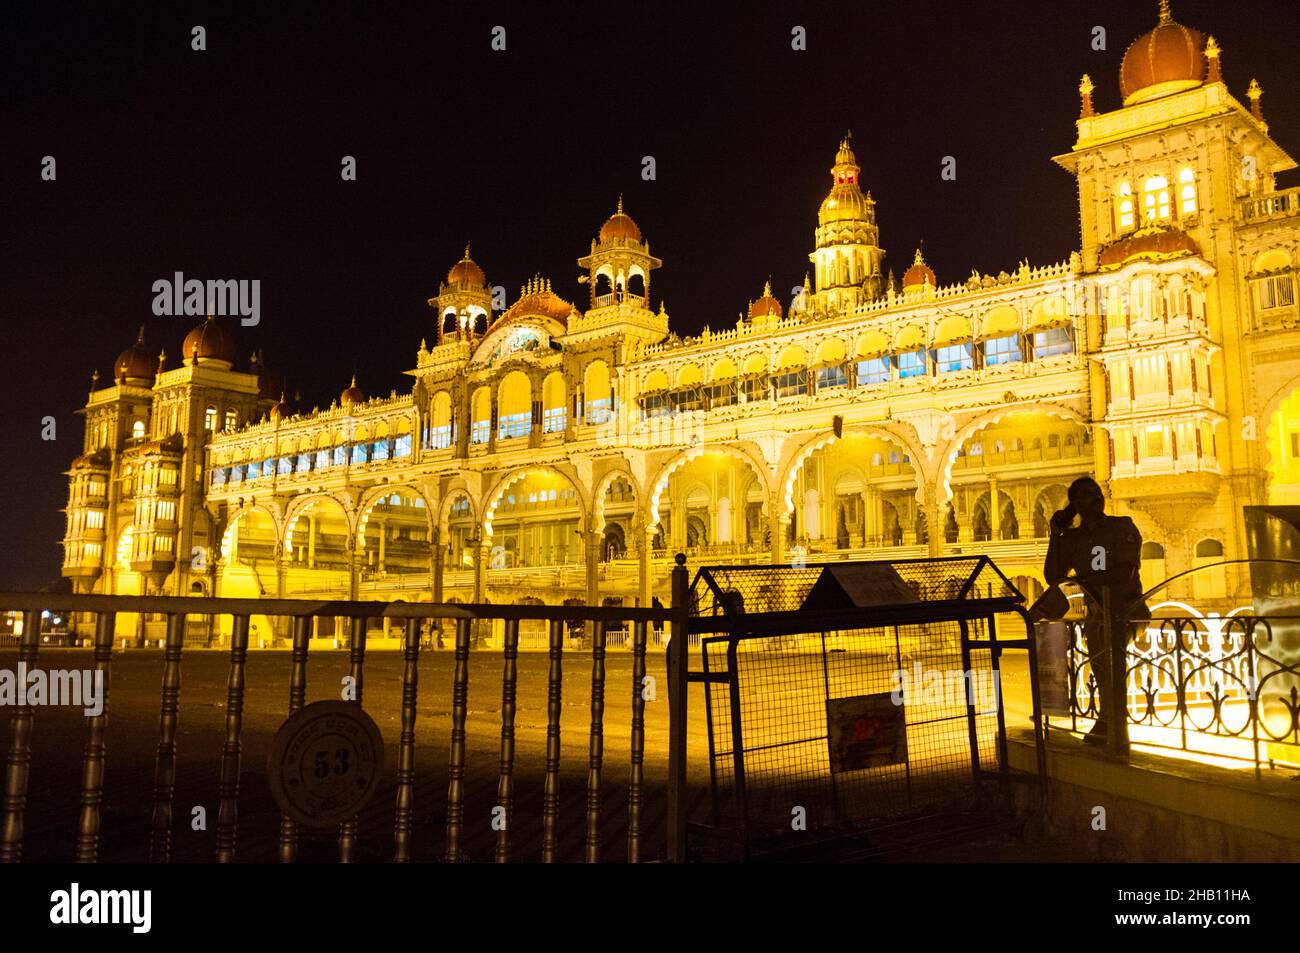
(995, 510)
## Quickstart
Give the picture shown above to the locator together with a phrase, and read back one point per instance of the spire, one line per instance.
(1165, 15)
(1253, 93)
(1085, 92)
(1212, 53)
(619, 211)
(139, 338)
(466, 258)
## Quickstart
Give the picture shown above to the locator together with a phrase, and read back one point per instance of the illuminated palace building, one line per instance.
(553, 454)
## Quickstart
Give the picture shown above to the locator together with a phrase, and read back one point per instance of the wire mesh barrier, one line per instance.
(842, 698)
(500, 734)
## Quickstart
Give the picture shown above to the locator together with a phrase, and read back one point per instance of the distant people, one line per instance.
(1101, 553)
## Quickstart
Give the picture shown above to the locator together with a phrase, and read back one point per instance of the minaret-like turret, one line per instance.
(848, 256)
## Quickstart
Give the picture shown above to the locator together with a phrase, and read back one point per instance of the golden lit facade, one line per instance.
(548, 453)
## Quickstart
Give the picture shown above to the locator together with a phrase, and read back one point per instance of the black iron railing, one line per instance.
(632, 624)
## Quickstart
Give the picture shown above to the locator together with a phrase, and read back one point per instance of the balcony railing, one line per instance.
(1263, 208)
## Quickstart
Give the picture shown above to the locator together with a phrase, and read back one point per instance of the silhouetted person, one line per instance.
(1102, 552)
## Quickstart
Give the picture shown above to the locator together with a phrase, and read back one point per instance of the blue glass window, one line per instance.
(1002, 350)
(912, 363)
(873, 371)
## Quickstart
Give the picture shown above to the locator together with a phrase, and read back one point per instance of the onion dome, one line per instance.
(919, 273)
(845, 201)
(1167, 60)
(353, 394)
(208, 342)
(766, 306)
(281, 408)
(1157, 243)
(466, 275)
(620, 227)
(135, 365)
(538, 300)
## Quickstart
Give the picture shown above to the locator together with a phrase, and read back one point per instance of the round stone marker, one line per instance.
(325, 763)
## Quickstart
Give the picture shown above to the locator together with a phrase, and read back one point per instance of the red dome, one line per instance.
(135, 364)
(766, 306)
(208, 342)
(919, 273)
(353, 394)
(1168, 59)
(620, 227)
(466, 274)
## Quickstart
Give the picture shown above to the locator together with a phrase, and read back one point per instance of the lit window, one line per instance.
(210, 418)
(268, 466)
(514, 425)
(873, 371)
(1125, 206)
(304, 462)
(1052, 342)
(479, 431)
(828, 377)
(439, 437)
(1275, 292)
(359, 453)
(554, 419)
(599, 410)
(285, 466)
(1187, 192)
(1002, 350)
(791, 384)
(912, 363)
(1155, 199)
(232, 419)
(95, 518)
(137, 429)
(402, 446)
(955, 357)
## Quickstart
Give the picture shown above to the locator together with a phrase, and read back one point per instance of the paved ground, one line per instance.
(132, 739)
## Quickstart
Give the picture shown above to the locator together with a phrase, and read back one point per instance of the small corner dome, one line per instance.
(135, 364)
(919, 273)
(209, 342)
(620, 227)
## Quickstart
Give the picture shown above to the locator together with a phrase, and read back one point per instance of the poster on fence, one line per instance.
(866, 731)
(1053, 642)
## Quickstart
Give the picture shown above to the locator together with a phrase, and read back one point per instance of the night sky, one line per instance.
(225, 164)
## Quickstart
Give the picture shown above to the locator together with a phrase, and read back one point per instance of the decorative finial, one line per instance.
(1085, 91)
(1253, 92)
(918, 260)
(1165, 15)
(94, 378)
(162, 361)
(466, 258)
(139, 339)
(767, 288)
(620, 204)
(1212, 52)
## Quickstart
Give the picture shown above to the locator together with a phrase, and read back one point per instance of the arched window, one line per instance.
(1125, 206)
(1209, 547)
(137, 429)
(232, 419)
(1155, 199)
(1152, 551)
(1187, 192)
(210, 419)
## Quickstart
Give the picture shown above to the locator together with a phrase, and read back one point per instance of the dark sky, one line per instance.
(225, 164)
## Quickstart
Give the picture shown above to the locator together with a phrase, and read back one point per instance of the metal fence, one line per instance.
(228, 770)
(1222, 687)
(842, 697)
